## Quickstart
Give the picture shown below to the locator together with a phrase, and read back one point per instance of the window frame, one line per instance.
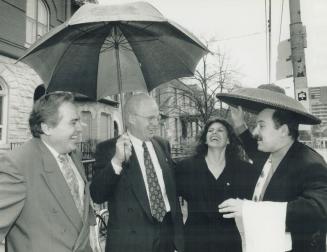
(4, 112)
(33, 23)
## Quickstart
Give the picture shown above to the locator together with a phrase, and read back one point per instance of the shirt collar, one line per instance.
(135, 141)
(51, 149)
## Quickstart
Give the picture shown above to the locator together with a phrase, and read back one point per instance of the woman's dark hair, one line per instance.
(234, 149)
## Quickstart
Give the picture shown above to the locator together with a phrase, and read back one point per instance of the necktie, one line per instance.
(72, 182)
(157, 204)
(263, 181)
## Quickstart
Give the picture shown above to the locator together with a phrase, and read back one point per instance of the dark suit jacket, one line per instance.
(37, 211)
(301, 180)
(131, 226)
(205, 228)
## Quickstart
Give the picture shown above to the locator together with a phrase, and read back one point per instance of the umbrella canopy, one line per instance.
(109, 49)
(256, 99)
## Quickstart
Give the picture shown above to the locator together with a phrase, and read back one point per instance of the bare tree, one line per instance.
(214, 74)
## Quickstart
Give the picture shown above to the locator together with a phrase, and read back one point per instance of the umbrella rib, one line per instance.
(62, 55)
(106, 49)
(121, 37)
(143, 28)
(85, 31)
(143, 40)
(178, 57)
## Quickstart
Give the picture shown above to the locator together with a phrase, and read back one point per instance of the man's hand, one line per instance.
(231, 208)
(123, 150)
(237, 115)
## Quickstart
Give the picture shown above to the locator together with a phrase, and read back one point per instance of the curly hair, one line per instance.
(234, 150)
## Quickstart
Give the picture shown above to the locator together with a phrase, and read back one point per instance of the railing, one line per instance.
(87, 149)
(89, 168)
(15, 145)
(181, 151)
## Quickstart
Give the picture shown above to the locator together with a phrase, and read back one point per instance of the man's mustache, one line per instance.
(258, 138)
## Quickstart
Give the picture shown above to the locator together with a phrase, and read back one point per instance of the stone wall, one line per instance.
(20, 81)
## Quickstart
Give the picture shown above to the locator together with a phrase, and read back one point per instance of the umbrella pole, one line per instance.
(119, 79)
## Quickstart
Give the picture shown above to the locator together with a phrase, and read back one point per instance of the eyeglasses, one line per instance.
(150, 118)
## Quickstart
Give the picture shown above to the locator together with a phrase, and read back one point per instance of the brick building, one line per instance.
(22, 22)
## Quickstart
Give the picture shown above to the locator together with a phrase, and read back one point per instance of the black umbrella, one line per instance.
(104, 50)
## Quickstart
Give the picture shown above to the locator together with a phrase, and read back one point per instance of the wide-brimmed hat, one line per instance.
(256, 99)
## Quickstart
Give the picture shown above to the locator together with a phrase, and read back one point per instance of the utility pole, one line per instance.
(298, 43)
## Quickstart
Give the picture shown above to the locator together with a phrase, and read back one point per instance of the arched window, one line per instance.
(3, 112)
(37, 20)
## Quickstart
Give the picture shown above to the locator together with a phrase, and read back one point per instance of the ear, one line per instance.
(46, 129)
(131, 119)
(284, 130)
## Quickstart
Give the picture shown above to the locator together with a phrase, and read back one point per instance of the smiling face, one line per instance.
(143, 120)
(269, 137)
(217, 136)
(64, 136)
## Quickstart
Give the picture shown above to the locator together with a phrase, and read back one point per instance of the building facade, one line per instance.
(22, 22)
(318, 103)
(180, 122)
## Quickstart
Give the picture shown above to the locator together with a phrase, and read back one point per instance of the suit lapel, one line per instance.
(58, 186)
(167, 175)
(133, 172)
(280, 171)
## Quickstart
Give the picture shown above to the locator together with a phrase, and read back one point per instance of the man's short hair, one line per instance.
(281, 117)
(45, 110)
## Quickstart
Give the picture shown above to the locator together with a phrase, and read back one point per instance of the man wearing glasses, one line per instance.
(135, 176)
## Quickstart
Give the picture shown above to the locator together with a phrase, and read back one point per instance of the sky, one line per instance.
(239, 28)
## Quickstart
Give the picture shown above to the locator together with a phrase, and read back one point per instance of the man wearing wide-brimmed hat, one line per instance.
(288, 211)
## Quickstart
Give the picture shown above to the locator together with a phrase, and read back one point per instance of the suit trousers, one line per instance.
(163, 241)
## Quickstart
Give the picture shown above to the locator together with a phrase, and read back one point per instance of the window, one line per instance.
(86, 118)
(37, 20)
(105, 122)
(175, 96)
(3, 112)
(176, 129)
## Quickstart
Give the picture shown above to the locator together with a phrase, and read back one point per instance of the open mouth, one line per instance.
(75, 138)
(214, 138)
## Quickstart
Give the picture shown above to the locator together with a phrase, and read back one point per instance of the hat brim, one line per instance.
(255, 100)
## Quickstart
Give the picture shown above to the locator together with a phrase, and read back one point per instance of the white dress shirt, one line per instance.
(137, 145)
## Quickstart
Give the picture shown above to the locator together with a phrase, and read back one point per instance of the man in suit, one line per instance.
(292, 186)
(135, 175)
(44, 195)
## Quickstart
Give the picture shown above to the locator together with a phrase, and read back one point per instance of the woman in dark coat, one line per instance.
(216, 172)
